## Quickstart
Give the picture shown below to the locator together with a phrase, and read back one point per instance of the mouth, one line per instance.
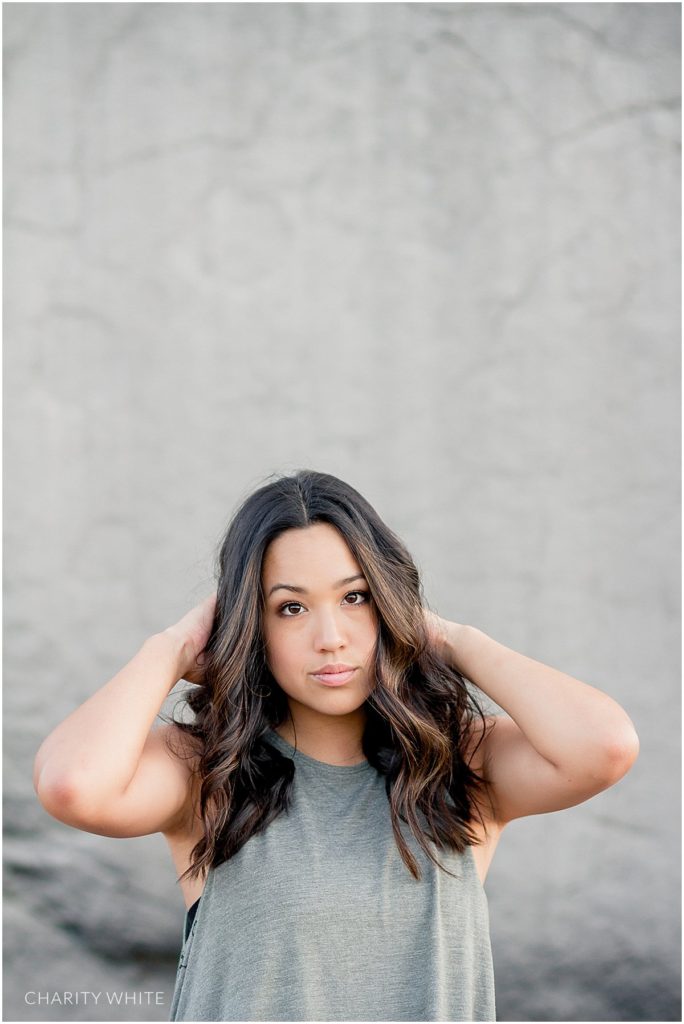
(334, 678)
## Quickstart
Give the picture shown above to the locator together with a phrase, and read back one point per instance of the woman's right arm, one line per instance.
(104, 769)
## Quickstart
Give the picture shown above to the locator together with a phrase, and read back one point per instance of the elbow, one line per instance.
(66, 799)
(619, 753)
(53, 796)
(58, 796)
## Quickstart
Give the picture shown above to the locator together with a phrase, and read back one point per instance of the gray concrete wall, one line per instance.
(431, 248)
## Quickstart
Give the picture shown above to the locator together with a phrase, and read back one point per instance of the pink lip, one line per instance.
(334, 678)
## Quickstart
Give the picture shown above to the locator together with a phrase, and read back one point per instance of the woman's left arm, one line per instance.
(564, 741)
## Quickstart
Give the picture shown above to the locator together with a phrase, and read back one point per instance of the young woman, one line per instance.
(335, 802)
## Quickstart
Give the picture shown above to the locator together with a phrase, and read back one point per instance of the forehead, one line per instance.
(315, 551)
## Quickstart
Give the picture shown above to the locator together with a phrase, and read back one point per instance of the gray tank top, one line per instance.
(319, 919)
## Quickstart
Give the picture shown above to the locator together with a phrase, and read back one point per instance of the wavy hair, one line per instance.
(419, 714)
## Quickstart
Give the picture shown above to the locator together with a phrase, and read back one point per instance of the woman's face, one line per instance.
(318, 613)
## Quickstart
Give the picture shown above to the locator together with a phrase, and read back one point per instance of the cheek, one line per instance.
(372, 628)
(271, 645)
(281, 648)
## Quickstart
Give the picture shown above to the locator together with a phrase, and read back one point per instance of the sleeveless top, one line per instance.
(318, 918)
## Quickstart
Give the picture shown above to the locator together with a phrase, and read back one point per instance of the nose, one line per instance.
(329, 631)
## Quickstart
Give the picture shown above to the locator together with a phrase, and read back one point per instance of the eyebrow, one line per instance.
(302, 590)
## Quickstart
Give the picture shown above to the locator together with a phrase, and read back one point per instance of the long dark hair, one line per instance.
(419, 715)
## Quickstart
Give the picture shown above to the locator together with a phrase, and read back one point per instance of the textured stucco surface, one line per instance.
(431, 248)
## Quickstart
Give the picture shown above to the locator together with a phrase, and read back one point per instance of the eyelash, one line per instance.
(288, 604)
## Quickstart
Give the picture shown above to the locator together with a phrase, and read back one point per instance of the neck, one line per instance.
(334, 739)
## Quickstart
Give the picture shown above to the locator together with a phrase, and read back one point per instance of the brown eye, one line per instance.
(290, 604)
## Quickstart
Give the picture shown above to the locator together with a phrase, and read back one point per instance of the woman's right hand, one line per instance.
(192, 633)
